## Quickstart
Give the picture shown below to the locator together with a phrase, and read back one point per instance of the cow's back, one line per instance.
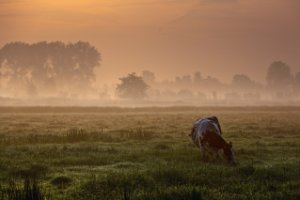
(202, 126)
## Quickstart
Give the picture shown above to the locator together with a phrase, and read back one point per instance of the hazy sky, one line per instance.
(169, 37)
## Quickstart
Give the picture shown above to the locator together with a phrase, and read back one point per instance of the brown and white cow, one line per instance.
(207, 135)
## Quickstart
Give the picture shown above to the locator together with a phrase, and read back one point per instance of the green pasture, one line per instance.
(145, 153)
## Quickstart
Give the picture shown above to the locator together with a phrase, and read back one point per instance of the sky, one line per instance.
(169, 37)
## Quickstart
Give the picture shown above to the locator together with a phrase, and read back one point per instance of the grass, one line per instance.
(29, 191)
(145, 153)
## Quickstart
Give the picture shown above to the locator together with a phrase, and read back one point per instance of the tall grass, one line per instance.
(30, 190)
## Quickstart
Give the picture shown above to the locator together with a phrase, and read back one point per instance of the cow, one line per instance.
(207, 135)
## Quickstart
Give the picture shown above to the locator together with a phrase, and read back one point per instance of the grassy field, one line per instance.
(145, 153)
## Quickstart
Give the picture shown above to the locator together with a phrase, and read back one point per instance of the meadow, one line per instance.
(145, 153)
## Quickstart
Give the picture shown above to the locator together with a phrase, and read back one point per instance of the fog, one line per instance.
(178, 52)
(61, 74)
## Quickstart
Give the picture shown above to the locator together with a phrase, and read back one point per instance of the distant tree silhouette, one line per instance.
(212, 83)
(279, 75)
(183, 81)
(54, 66)
(132, 87)
(148, 77)
(243, 82)
(197, 78)
(297, 82)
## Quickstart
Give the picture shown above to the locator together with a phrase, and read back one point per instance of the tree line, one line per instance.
(280, 83)
(48, 68)
(58, 69)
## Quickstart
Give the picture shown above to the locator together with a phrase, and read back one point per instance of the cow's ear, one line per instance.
(230, 144)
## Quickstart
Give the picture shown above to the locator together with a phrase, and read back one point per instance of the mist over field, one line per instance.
(119, 53)
(58, 73)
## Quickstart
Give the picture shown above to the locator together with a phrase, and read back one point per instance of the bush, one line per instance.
(61, 182)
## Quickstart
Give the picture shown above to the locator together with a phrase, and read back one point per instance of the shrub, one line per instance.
(61, 182)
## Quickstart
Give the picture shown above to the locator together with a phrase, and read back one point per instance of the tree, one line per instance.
(212, 84)
(279, 75)
(148, 77)
(49, 67)
(243, 82)
(198, 78)
(132, 87)
(183, 81)
(297, 82)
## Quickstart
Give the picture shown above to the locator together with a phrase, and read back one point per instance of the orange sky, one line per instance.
(169, 37)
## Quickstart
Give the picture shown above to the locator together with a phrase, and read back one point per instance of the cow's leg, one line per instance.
(216, 154)
(220, 154)
(205, 153)
(210, 153)
(202, 151)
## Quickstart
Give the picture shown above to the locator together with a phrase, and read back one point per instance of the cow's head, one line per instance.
(229, 154)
